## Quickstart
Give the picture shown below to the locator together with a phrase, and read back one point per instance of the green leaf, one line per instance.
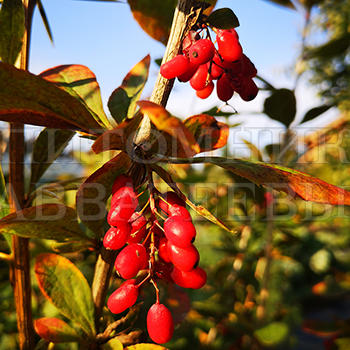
(280, 178)
(55, 330)
(113, 344)
(66, 288)
(122, 102)
(216, 112)
(80, 82)
(46, 149)
(223, 18)
(4, 204)
(315, 112)
(255, 152)
(272, 334)
(281, 106)
(92, 195)
(29, 99)
(47, 221)
(145, 346)
(284, 3)
(44, 19)
(342, 343)
(12, 30)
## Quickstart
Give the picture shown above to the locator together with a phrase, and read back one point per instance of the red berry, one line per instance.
(185, 259)
(123, 204)
(138, 228)
(171, 203)
(175, 67)
(232, 30)
(249, 69)
(116, 237)
(206, 92)
(229, 47)
(123, 298)
(202, 51)
(224, 89)
(121, 181)
(163, 249)
(249, 89)
(189, 73)
(201, 78)
(217, 67)
(179, 231)
(131, 260)
(194, 279)
(160, 324)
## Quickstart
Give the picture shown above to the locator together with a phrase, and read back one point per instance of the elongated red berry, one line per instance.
(123, 204)
(123, 298)
(169, 201)
(160, 324)
(229, 47)
(116, 237)
(131, 260)
(206, 92)
(138, 228)
(224, 89)
(201, 78)
(179, 231)
(121, 181)
(194, 279)
(163, 249)
(189, 73)
(185, 259)
(175, 67)
(249, 89)
(202, 51)
(249, 69)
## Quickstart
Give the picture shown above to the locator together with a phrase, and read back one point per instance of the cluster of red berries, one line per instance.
(166, 252)
(201, 63)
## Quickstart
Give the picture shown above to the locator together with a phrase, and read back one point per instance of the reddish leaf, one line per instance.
(293, 182)
(209, 133)
(120, 138)
(155, 17)
(80, 82)
(55, 330)
(93, 193)
(65, 286)
(29, 99)
(177, 139)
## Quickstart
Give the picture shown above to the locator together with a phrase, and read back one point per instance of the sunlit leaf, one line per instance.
(272, 334)
(29, 99)
(46, 149)
(12, 30)
(315, 112)
(208, 132)
(223, 18)
(255, 152)
(293, 182)
(113, 344)
(145, 346)
(281, 106)
(80, 82)
(64, 286)
(55, 330)
(48, 221)
(122, 102)
(172, 126)
(93, 193)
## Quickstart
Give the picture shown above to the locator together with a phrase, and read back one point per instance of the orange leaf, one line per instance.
(178, 139)
(209, 133)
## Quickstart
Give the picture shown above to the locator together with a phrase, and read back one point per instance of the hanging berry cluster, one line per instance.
(201, 63)
(165, 251)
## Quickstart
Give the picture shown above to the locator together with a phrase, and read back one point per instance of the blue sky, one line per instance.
(105, 37)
